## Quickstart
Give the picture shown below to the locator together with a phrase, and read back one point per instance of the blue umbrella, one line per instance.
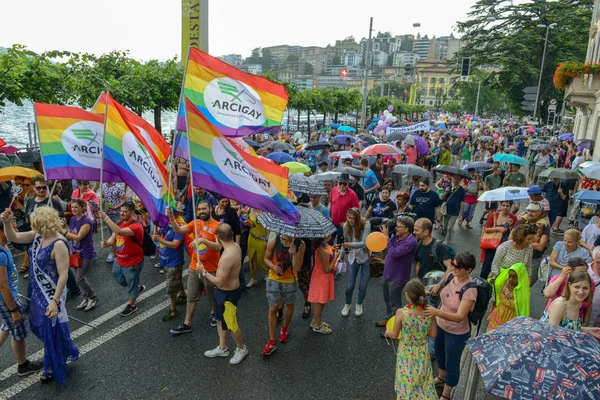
(587, 196)
(510, 158)
(341, 139)
(280, 157)
(565, 136)
(335, 126)
(346, 129)
(372, 125)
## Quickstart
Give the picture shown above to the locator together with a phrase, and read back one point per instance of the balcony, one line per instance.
(582, 92)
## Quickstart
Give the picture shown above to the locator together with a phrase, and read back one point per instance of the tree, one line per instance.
(336, 60)
(491, 97)
(292, 57)
(256, 52)
(453, 107)
(309, 69)
(504, 33)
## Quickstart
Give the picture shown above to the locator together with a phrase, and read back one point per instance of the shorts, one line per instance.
(196, 285)
(181, 182)
(128, 277)
(304, 279)
(276, 290)
(491, 206)
(17, 331)
(221, 296)
(174, 280)
(562, 212)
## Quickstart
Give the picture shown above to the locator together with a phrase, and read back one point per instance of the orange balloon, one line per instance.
(376, 242)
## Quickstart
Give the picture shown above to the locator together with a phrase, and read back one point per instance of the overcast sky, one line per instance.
(151, 29)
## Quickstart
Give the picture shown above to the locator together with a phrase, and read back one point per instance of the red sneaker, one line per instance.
(269, 348)
(283, 334)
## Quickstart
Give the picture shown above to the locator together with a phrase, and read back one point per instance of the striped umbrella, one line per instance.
(312, 224)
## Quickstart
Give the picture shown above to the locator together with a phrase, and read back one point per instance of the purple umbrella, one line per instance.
(341, 139)
(421, 145)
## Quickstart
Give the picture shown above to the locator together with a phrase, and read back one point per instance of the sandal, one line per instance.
(23, 269)
(46, 378)
(440, 382)
(314, 326)
(322, 329)
(444, 397)
(306, 313)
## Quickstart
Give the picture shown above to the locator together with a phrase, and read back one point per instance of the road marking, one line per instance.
(8, 372)
(35, 378)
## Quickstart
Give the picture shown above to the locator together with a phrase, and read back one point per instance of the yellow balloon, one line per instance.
(390, 325)
(376, 242)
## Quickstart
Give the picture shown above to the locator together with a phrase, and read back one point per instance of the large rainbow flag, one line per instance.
(71, 142)
(220, 166)
(127, 155)
(235, 102)
(154, 138)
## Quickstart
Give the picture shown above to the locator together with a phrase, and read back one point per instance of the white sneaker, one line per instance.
(346, 310)
(83, 304)
(251, 282)
(358, 310)
(110, 258)
(216, 352)
(91, 304)
(239, 355)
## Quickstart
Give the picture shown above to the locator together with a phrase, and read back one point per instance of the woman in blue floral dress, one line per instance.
(414, 377)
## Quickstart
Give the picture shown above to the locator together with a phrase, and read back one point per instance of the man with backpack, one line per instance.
(128, 237)
(431, 254)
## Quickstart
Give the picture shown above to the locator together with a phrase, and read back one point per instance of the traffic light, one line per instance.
(466, 66)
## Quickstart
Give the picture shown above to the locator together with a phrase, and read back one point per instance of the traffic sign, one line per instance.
(530, 89)
(527, 108)
(530, 96)
(553, 102)
(552, 107)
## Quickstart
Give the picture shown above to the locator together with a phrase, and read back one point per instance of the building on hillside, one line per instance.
(584, 91)
(353, 71)
(286, 75)
(347, 45)
(312, 51)
(444, 47)
(402, 60)
(319, 62)
(379, 58)
(232, 59)
(295, 50)
(434, 83)
(406, 43)
(280, 52)
(351, 58)
(421, 46)
(387, 44)
(305, 82)
(335, 82)
(298, 67)
(252, 68)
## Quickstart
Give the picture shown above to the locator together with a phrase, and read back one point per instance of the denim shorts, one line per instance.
(128, 277)
(17, 331)
(276, 290)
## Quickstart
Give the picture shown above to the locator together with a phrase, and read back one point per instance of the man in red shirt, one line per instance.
(206, 251)
(128, 237)
(342, 199)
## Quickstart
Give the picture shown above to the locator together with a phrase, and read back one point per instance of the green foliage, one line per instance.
(453, 107)
(504, 33)
(491, 97)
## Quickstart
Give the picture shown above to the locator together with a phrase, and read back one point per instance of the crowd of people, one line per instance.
(55, 223)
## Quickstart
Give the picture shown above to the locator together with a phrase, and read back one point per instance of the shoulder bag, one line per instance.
(490, 241)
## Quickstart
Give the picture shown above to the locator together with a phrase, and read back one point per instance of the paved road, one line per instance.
(137, 357)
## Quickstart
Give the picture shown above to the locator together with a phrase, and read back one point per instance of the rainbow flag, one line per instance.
(71, 142)
(154, 138)
(127, 155)
(220, 166)
(235, 102)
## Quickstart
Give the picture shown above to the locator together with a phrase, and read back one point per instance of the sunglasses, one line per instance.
(41, 188)
(343, 183)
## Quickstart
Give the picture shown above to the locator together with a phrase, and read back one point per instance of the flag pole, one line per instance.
(192, 184)
(102, 164)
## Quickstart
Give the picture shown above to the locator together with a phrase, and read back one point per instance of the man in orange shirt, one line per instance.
(207, 252)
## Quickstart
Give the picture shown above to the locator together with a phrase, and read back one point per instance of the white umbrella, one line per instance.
(592, 171)
(327, 176)
(410, 140)
(505, 194)
(588, 164)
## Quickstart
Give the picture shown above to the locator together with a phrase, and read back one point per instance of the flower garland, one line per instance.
(567, 71)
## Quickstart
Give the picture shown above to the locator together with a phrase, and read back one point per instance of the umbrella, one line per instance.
(8, 150)
(296, 167)
(345, 154)
(266, 159)
(370, 139)
(563, 173)
(447, 169)
(411, 170)
(351, 171)
(545, 173)
(394, 137)
(327, 176)
(335, 126)
(323, 130)
(588, 164)
(461, 133)
(566, 136)
(346, 129)
(486, 138)
(478, 165)
(312, 224)
(9, 173)
(510, 158)
(252, 143)
(520, 137)
(280, 146)
(538, 141)
(585, 143)
(419, 143)
(529, 359)
(504, 194)
(280, 157)
(317, 146)
(592, 171)
(341, 139)
(381, 148)
(541, 146)
(587, 196)
(305, 184)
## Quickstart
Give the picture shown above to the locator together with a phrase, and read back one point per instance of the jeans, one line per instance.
(448, 222)
(80, 273)
(552, 214)
(72, 283)
(486, 267)
(128, 277)
(469, 212)
(534, 270)
(339, 234)
(354, 270)
(392, 296)
(448, 350)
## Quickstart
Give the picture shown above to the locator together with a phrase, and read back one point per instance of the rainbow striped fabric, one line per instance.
(127, 155)
(235, 102)
(220, 166)
(154, 138)
(71, 142)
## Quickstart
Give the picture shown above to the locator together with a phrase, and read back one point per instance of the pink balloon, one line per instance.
(390, 108)
(382, 118)
(495, 136)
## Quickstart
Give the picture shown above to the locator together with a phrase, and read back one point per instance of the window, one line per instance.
(433, 81)
(424, 80)
(432, 91)
(424, 92)
(430, 102)
(442, 81)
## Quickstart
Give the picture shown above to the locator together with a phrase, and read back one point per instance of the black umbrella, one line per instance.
(305, 184)
(370, 139)
(563, 173)
(252, 143)
(395, 136)
(351, 171)
(312, 224)
(280, 146)
(447, 169)
(411, 170)
(542, 146)
(317, 146)
(585, 143)
(486, 138)
(520, 137)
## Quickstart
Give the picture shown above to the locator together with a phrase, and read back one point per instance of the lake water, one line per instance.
(14, 119)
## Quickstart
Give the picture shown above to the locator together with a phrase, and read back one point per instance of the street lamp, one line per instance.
(537, 96)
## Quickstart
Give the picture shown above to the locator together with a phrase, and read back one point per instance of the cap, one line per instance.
(534, 207)
(535, 189)
(344, 178)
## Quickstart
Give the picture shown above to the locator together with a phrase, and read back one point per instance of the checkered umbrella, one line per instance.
(528, 359)
(305, 184)
(312, 224)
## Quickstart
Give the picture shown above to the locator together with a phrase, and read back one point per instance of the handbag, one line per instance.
(490, 241)
(75, 260)
(376, 264)
(444, 206)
